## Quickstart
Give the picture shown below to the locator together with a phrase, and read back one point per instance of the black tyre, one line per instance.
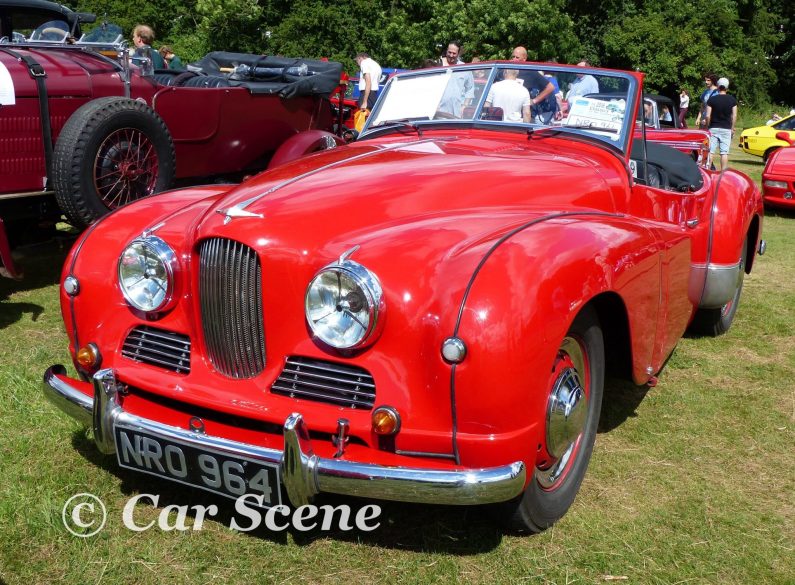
(714, 322)
(110, 152)
(769, 152)
(574, 401)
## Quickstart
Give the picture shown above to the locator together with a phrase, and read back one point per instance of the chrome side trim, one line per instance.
(26, 194)
(304, 473)
(720, 284)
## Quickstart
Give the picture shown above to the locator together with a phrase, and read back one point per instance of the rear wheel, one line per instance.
(110, 152)
(769, 152)
(574, 400)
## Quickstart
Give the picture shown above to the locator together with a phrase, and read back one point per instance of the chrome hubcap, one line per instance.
(567, 413)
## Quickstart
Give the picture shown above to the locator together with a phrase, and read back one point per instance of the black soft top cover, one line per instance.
(269, 74)
(683, 172)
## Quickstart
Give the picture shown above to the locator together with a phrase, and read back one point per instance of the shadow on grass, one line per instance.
(41, 263)
(459, 530)
(620, 402)
(779, 212)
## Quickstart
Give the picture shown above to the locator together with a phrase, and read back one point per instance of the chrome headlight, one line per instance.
(345, 305)
(147, 270)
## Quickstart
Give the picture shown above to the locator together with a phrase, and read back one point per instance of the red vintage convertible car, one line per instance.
(778, 178)
(84, 131)
(438, 334)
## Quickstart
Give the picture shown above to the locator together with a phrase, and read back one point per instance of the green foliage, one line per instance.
(673, 41)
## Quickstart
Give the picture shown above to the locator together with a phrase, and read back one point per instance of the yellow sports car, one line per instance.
(762, 141)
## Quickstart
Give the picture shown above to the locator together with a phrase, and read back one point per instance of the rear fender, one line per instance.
(735, 218)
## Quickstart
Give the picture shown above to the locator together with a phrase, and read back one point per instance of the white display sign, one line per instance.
(597, 114)
(7, 96)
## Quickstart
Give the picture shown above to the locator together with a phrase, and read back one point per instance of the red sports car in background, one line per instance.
(778, 178)
(439, 334)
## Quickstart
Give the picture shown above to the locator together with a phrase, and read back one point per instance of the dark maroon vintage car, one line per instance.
(84, 130)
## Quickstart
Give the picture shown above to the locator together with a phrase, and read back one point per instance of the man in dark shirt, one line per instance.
(542, 92)
(721, 117)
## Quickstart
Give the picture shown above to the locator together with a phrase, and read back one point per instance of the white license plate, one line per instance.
(204, 468)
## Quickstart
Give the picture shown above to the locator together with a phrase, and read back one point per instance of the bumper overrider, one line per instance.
(303, 473)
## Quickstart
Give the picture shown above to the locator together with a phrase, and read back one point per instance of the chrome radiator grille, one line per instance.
(323, 381)
(230, 288)
(157, 347)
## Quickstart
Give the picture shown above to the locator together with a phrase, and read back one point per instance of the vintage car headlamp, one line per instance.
(147, 270)
(345, 305)
(777, 184)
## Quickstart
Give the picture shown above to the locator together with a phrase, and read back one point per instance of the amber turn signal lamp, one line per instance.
(386, 421)
(88, 357)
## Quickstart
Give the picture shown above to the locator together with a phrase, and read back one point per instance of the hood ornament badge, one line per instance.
(235, 212)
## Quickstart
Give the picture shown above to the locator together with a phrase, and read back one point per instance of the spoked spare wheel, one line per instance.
(110, 152)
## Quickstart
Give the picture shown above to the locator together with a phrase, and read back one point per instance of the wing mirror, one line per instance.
(785, 137)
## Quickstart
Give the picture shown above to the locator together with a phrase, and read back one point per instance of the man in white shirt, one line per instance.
(368, 80)
(512, 96)
(583, 85)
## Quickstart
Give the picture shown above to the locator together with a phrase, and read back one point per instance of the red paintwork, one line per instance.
(424, 211)
(780, 167)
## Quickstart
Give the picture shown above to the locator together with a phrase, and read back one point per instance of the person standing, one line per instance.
(544, 105)
(453, 54)
(143, 37)
(511, 96)
(369, 75)
(684, 104)
(583, 84)
(460, 89)
(721, 118)
(172, 61)
(711, 89)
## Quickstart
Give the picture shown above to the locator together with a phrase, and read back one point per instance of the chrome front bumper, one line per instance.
(304, 474)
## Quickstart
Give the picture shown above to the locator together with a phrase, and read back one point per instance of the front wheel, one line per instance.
(110, 152)
(574, 401)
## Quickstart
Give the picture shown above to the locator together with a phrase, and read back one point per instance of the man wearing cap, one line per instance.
(721, 118)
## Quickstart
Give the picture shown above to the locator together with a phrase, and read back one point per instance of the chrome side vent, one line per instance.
(156, 347)
(323, 381)
(230, 289)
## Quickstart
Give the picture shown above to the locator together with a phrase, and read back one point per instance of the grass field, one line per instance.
(692, 481)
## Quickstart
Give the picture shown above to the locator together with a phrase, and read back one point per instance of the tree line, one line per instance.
(674, 42)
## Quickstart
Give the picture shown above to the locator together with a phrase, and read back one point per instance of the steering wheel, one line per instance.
(54, 31)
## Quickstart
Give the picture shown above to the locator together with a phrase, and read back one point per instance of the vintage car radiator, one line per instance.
(230, 290)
